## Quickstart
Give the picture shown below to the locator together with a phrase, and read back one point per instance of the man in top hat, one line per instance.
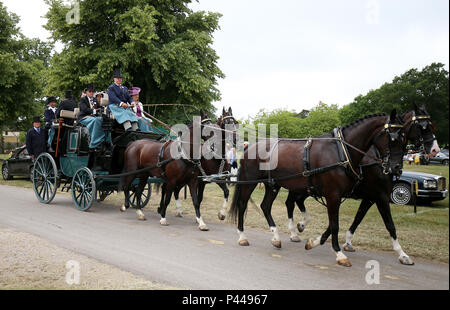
(68, 104)
(50, 113)
(35, 140)
(120, 103)
(89, 117)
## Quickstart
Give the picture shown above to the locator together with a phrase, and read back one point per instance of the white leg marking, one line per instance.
(224, 207)
(340, 256)
(276, 235)
(241, 235)
(306, 219)
(398, 248)
(435, 148)
(348, 237)
(292, 229)
(200, 222)
(163, 222)
(179, 208)
(140, 214)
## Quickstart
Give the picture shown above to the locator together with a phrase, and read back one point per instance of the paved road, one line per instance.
(180, 255)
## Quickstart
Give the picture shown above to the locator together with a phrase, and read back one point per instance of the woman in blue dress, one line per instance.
(120, 103)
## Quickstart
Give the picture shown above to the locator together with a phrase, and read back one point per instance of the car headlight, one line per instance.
(432, 184)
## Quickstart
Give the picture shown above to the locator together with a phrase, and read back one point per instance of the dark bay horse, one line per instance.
(216, 165)
(376, 186)
(180, 171)
(333, 184)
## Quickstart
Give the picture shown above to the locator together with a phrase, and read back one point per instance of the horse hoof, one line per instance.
(406, 260)
(123, 208)
(344, 262)
(300, 227)
(221, 216)
(244, 242)
(309, 245)
(179, 214)
(276, 243)
(348, 248)
(142, 218)
(203, 228)
(295, 239)
(164, 223)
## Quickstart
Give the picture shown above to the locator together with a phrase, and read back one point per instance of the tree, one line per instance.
(429, 87)
(162, 47)
(22, 67)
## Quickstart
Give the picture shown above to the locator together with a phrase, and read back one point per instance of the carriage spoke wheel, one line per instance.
(145, 196)
(45, 178)
(83, 189)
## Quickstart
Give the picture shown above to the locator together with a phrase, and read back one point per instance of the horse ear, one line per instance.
(393, 115)
(416, 108)
(223, 111)
(230, 111)
(202, 114)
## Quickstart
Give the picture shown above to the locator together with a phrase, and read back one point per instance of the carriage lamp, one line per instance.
(431, 184)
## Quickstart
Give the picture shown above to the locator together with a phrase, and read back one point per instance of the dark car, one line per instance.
(19, 165)
(431, 188)
(440, 158)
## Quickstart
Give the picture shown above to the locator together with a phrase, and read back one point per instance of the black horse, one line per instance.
(335, 178)
(216, 165)
(376, 186)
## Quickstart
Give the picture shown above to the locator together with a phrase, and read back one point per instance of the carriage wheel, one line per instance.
(145, 196)
(45, 178)
(83, 189)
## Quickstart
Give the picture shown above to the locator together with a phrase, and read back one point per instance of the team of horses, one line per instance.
(357, 161)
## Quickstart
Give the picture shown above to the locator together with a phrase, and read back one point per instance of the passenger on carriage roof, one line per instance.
(138, 108)
(68, 104)
(87, 117)
(50, 113)
(120, 103)
(88, 104)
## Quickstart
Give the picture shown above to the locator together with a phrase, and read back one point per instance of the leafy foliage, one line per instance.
(162, 47)
(429, 87)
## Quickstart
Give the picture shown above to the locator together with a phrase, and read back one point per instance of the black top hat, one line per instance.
(90, 87)
(51, 99)
(36, 119)
(117, 73)
(68, 94)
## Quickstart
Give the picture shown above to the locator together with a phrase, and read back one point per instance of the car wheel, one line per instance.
(401, 194)
(445, 162)
(5, 173)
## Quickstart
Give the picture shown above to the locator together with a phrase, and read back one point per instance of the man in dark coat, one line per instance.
(36, 141)
(50, 113)
(88, 104)
(68, 104)
(120, 103)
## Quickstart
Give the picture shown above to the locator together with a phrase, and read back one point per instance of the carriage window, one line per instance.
(73, 142)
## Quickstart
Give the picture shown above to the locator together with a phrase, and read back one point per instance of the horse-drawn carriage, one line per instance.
(91, 174)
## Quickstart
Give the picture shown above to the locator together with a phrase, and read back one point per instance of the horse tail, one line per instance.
(235, 204)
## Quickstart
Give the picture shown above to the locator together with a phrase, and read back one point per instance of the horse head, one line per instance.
(421, 131)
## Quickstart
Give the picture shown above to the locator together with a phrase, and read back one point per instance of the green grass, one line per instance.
(423, 235)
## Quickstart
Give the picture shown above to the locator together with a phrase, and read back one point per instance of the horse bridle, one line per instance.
(422, 122)
(397, 135)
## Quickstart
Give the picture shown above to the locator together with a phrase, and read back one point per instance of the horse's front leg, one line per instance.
(385, 211)
(166, 196)
(176, 194)
(266, 206)
(193, 188)
(139, 191)
(362, 211)
(290, 206)
(333, 205)
(126, 181)
(226, 193)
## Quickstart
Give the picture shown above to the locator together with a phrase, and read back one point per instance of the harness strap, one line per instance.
(343, 149)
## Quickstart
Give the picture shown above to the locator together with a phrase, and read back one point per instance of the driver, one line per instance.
(120, 103)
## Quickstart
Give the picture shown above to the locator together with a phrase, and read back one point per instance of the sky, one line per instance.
(292, 54)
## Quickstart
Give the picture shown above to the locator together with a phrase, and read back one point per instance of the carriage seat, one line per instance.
(69, 115)
(105, 103)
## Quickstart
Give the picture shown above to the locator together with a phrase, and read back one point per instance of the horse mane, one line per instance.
(362, 119)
